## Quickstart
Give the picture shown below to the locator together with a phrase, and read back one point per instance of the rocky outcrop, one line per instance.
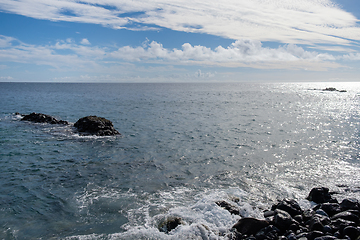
(332, 89)
(90, 125)
(94, 125)
(328, 220)
(42, 118)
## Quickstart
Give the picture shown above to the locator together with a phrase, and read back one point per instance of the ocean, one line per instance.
(183, 146)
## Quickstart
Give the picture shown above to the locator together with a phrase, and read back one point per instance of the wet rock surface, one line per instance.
(90, 125)
(42, 118)
(94, 125)
(286, 220)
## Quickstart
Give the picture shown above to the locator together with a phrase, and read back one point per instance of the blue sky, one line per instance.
(179, 40)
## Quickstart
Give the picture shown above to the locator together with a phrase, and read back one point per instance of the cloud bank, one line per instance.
(287, 21)
(241, 53)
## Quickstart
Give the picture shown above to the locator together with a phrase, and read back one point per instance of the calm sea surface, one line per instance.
(183, 147)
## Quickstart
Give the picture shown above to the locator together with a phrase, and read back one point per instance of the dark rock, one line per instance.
(291, 236)
(298, 218)
(320, 195)
(282, 219)
(294, 227)
(289, 206)
(314, 234)
(315, 224)
(326, 237)
(42, 118)
(249, 226)
(347, 215)
(352, 232)
(332, 89)
(269, 214)
(321, 212)
(96, 126)
(348, 204)
(170, 224)
(308, 214)
(231, 208)
(270, 233)
(340, 224)
(327, 229)
(331, 208)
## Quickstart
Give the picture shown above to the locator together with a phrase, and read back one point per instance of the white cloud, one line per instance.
(240, 51)
(69, 56)
(287, 21)
(85, 41)
(17, 51)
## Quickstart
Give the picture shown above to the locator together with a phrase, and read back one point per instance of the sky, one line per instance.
(179, 40)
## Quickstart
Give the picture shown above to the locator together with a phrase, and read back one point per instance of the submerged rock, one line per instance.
(96, 126)
(231, 208)
(42, 118)
(169, 224)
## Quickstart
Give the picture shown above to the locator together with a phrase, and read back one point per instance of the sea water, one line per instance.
(182, 147)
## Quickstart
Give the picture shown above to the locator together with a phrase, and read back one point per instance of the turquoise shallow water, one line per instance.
(183, 146)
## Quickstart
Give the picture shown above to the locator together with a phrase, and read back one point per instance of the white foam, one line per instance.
(202, 218)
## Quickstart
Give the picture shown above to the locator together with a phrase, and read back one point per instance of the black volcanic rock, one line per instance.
(332, 89)
(249, 226)
(287, 221)
(232, 209)
(42, 118)
(320, 195)
(288, 205)
(96, 126)
(170, 224)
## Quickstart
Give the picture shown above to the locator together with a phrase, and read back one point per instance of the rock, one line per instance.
(289, 206)
(320, 195)
(328, 220)
(231, 208)
(249, 226)
(327, 237)
(269, 214)
(282, 219)
(340, 224)
(348, 204)
(347, 215)
(96, 126)
(315, 224)
(170, 224)
(308, 214)
(314, 234)
(321, 212)
(332, 89)
(331, 208)
(291, 236)
(42, 118)
(352, 232)
(268, 233)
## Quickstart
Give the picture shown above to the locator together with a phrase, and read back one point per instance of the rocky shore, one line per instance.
(328, 220)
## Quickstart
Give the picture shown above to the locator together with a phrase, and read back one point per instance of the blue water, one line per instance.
(183, 147)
